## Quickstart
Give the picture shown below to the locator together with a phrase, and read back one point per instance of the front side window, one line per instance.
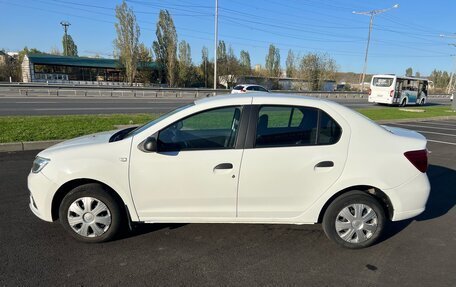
(295, 126)
(212, 129)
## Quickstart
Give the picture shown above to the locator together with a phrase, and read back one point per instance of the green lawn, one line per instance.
(36, 128)
(393, 113)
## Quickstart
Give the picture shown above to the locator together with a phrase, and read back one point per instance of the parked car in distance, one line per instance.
(250, 158)
(247, 88)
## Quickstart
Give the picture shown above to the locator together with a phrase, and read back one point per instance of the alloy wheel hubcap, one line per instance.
(89, 217)
(356, 223)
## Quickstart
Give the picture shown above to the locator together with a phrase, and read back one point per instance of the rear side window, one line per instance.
(280, 126)
(329, 131)
(250, 88)
(238, 88)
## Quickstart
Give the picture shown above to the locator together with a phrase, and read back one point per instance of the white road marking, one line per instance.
(418, 126)
(36, 102)
(95, 109)
(435, 133)
(448, 122)
(439, 124)
(442, 142)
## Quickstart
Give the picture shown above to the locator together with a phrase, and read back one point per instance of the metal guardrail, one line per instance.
(58, 90)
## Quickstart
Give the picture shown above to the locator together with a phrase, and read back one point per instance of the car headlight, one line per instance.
(39, 163)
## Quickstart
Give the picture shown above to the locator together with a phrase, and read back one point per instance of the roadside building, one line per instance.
(74, 70)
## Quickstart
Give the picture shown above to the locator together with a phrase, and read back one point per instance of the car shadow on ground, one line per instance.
(441, 199)
(137, 229)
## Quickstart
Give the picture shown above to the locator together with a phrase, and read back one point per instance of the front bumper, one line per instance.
(409, 199)
(41, 193)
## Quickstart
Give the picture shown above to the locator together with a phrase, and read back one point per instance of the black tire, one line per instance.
(347, 200)
(112, 210)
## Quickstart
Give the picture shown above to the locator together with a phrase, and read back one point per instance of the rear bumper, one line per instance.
(409, 199)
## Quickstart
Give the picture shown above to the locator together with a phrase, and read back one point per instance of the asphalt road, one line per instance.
(419, 252)
(66, 105)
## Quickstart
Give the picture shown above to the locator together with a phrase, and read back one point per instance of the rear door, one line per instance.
(294, 154)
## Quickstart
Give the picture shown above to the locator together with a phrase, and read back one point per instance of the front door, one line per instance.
(195, 171)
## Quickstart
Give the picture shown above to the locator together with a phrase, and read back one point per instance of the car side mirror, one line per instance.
(148, 145)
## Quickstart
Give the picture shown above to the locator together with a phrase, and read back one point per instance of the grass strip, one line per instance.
(36, 128)
(395, 113)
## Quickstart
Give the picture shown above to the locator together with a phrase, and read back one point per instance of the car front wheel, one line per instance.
(90, 214)
(354, 220)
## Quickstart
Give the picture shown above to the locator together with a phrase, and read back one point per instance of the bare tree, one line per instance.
(206, 68)
(316, 68)
(273, 61)
(127, 40)
(291, 69)
(245, 63)
(69, 47)
(165, 47)
(409, 72)
(144, 73)
(185, 64)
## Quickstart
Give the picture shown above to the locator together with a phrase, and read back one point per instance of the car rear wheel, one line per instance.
(354, 220)
(90, 214)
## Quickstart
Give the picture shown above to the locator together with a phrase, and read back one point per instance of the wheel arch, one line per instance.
(70, 185)
(378, 194)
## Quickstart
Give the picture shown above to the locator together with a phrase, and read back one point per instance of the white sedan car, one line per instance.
(248, 88)
(250, 158)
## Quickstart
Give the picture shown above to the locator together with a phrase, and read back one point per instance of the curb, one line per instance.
(25, 146)
(40, 145)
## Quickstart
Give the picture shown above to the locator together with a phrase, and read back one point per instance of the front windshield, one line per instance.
(160, 118)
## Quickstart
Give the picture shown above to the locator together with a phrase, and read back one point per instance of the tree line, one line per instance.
(176, 66)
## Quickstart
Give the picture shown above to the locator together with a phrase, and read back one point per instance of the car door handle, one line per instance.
(325, 164)
(224, 166)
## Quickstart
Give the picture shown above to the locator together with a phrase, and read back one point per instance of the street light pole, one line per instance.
(65, 25)
(371, 13)
(215, 44)
(452, 84)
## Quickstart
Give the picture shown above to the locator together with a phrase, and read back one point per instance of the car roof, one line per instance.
(249, 85)
(261, 97)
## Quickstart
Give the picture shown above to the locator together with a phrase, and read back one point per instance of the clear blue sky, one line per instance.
(403, 37)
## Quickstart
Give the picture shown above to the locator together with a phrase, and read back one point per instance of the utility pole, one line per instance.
(215, 44)
(371, 13)
(452, 84)
(65, 25)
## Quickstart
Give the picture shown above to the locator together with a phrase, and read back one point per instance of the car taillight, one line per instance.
(370, 92)
(392, 93)
(242, 91)
(418, 158)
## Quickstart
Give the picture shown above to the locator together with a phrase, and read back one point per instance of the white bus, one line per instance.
(394, 90)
